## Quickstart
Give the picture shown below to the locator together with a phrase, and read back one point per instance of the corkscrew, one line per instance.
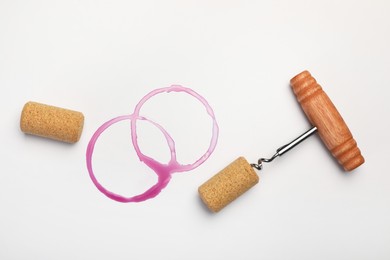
(239, 176)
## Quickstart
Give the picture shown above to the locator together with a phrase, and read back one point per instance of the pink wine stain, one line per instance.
(163, 171)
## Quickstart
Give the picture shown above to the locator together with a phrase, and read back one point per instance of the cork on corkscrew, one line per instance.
(238, 177)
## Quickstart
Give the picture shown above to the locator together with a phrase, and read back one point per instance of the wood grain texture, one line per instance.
(321, 113)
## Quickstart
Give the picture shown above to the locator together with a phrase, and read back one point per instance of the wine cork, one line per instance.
(228, 184)
(51, 122)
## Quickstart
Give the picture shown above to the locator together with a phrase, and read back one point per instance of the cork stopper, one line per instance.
(51, 122)
(228, 184)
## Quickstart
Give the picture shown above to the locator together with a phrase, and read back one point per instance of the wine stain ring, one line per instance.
(163, 171)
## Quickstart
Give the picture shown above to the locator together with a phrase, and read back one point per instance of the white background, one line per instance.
(101, 57)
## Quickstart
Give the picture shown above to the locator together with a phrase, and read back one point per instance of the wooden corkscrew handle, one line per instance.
(323, 114)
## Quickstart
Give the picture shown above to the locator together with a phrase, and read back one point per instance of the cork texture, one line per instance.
(51, 122)
(228, 184)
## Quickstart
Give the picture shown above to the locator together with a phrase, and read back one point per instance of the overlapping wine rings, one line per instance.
(163, 171)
